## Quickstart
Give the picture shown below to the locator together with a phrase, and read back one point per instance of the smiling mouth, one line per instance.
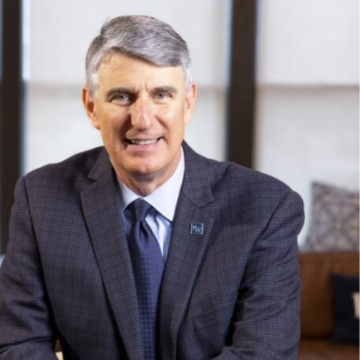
(142, 142)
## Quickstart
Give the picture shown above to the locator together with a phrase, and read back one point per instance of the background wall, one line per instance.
(308, 94)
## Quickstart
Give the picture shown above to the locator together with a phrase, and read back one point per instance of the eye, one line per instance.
(121, 98)
(161, 95)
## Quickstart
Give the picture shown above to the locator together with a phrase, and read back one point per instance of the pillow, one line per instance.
(346, 316)
(335, 219)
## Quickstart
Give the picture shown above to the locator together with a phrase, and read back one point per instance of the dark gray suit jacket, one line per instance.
(230, 293)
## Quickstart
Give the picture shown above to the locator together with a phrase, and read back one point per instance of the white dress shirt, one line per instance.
(163, 200)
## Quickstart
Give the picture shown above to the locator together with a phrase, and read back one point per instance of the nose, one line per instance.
(141, 114)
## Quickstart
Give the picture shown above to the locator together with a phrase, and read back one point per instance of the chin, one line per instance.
(144, 171)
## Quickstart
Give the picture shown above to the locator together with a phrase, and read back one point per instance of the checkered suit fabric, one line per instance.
(230, 292)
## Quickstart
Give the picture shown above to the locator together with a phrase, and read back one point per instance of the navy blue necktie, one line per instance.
(148, 267)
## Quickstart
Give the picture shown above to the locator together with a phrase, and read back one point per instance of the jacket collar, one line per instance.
(196, 180)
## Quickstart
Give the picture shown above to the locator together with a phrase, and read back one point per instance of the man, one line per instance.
(202, 266)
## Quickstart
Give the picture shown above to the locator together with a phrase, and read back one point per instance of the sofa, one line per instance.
(317, 304)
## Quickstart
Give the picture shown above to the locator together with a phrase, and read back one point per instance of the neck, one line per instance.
(142, 188)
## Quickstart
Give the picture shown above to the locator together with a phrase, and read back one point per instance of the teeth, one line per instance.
(143, 142)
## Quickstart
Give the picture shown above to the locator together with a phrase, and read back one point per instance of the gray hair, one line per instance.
(140, 37)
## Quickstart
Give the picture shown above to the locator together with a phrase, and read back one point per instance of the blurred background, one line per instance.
(278, 85)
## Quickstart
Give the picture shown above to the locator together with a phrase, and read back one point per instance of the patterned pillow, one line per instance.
(335, 219)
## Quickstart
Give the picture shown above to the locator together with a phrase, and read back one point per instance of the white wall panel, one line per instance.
(308, 42)
(56, 125)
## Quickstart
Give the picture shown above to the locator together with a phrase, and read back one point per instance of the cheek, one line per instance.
(111, 134)
(111, 122)
(174, 121)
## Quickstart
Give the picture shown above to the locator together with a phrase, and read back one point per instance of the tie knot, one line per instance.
(139, 209)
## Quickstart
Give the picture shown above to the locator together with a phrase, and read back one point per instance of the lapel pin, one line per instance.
(197, 229)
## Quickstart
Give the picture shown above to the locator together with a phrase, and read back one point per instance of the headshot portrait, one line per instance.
(183, 186)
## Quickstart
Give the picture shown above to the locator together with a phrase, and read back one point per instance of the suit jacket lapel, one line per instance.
(103, 217)
(185, 253)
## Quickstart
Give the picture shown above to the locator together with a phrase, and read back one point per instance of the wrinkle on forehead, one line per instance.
(118, 70)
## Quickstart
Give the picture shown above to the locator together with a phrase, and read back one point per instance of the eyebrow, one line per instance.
(169, 89)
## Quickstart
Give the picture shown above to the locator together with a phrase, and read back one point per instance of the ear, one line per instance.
(190, 102)
(90, 107)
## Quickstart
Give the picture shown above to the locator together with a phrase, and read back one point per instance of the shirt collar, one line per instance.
(164, 198)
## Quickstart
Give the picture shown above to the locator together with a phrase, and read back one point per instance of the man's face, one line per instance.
(141, 110)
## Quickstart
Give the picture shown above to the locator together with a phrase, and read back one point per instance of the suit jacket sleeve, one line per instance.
(26, 326)
(266, 318)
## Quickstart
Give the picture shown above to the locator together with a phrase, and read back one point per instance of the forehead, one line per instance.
(122, 70)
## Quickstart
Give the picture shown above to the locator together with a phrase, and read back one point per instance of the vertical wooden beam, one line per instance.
(241, 97)
(11, 109)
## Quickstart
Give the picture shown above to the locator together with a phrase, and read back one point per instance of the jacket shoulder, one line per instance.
(71, 170)
(79, 162)
(237, 176)
(232, 181)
